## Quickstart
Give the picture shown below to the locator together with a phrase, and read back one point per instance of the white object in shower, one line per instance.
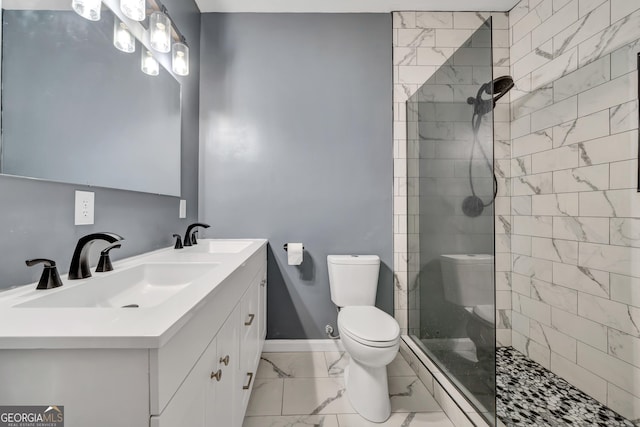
(468, 279)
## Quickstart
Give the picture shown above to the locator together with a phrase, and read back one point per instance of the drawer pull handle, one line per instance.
(250, 375)
(250, 321)
(225, 360)
(263, 282)
(217, 375)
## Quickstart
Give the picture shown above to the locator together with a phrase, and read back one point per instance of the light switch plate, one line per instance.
(183, 208)
(84, 211)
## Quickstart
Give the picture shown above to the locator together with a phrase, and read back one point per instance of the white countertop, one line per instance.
(106, 327)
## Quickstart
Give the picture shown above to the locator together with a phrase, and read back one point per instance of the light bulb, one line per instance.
(149, 64)
(160, 32)
(134, 9)
(180, 59)
(122, 38)
(88, 9)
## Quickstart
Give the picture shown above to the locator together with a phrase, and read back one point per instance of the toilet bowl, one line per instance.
(370, 336)
(372, 339)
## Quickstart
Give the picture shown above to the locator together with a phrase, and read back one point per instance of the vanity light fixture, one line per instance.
(160, 31)
(122, 38)
(180, 58)
(134, 9)
(88, 9)
(149, 64)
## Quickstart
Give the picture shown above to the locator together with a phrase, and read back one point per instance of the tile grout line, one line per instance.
(282, 399)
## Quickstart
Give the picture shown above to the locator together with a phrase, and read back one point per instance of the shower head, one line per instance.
(499, 87)
(496, 89)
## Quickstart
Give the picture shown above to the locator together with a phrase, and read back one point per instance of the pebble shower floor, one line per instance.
(530, 395)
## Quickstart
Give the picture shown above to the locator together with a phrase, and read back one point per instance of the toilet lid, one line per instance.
(485, 312)
(368, 324)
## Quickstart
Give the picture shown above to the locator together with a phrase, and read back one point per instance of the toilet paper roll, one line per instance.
(295, 253)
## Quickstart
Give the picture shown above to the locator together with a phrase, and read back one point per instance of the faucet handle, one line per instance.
(194, 240)
(50, 278)
(104, 264)
(178, 244)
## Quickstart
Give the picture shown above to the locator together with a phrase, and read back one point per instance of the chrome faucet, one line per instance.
(79, 268)
(187, 236)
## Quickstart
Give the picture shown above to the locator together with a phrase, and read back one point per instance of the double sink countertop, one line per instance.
(163, 290)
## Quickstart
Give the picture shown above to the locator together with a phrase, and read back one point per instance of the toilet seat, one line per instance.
(369, 326)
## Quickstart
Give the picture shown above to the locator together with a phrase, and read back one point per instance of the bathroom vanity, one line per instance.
(183, 353)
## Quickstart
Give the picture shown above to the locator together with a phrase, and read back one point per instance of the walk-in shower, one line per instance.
(451, 189)
(535, 220)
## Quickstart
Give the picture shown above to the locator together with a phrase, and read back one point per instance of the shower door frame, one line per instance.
(488, 415)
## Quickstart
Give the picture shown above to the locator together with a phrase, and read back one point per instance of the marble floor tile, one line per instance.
(266, 397)
(399, 368)
(408, 394)
(410, 419)
(292, 421)
(312, 396)
(336, 362)
(292, 365)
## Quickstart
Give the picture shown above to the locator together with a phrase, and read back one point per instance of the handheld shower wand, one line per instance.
(473, 206)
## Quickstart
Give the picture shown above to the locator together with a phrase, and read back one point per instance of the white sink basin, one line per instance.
(221, 246)
(145, 285)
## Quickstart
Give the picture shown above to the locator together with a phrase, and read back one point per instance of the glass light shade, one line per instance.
(122, 38)
(134, 9)
(149, 64)
(160, 32)
(180, 59)
(88, 9)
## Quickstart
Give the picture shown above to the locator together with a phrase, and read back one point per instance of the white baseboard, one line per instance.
(292, 346)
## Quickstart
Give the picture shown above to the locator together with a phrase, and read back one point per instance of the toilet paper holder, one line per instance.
(286, 247)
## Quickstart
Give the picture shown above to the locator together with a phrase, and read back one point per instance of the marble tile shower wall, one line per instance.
(575, 227)
(422, 42)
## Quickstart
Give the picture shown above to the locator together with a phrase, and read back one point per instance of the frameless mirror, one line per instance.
(75, 109)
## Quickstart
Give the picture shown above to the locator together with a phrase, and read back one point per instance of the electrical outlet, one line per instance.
(183, 208)
(84, 212)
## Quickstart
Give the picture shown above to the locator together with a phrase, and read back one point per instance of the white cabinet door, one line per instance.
(188, 407)
(226, 408)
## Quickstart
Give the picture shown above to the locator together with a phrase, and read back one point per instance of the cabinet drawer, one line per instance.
(249, 345)
(250, 342)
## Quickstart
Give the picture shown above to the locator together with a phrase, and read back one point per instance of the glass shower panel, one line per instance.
(451, 191)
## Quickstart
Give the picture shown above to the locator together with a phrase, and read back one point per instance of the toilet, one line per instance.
(468, 282)
(369, 335)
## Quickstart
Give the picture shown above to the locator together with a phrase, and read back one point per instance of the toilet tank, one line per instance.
(353, 279)
(467, 279)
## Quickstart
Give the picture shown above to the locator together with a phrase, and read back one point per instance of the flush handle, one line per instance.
(250, 321)
(217, 375)
(250, 375)
(263, 282)
(225, 360)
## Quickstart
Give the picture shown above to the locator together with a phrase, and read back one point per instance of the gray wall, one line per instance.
(36, 217)
(296, 146)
